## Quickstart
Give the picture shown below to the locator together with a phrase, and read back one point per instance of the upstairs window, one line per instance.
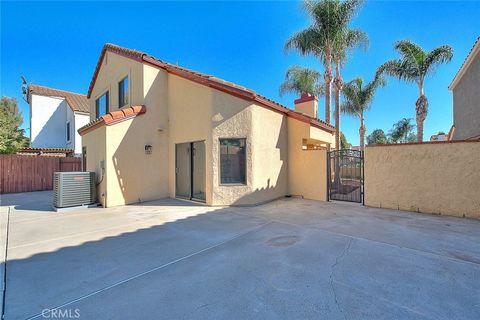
(232, 161)
(101, 105)
(123, 92)
(68, 131)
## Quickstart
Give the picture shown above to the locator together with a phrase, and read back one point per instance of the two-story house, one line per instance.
(55, 117)
(466, 97)
(159, 130)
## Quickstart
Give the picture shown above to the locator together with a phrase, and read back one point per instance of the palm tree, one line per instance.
(301, 81)
(402, 131)
(358, 98)
(346, 41)
(329, 18)
(415, 65)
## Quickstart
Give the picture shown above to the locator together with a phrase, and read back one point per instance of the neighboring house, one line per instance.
(159, 130)
(466, 97)
(55, 117)
(441, 136)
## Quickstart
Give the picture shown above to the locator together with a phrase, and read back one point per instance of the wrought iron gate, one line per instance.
(345, 175)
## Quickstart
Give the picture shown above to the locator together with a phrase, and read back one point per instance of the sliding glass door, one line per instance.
(190, 170)
(182, 170)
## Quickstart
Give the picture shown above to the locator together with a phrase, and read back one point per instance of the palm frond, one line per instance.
(411, 51)
(349, 108)
(370, 89)
(358, 97)
(308, 41)
(346, 41)
(300, 80)
(401, 69)
(437, 56)
(348, 9)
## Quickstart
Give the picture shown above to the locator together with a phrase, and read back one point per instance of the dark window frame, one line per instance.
(122, 92)
(69, 129)
(245, 180)
(97, 104)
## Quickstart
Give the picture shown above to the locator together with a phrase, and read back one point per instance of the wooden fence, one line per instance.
(32, 173)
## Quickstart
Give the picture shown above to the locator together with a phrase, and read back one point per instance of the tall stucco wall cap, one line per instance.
(207, 80)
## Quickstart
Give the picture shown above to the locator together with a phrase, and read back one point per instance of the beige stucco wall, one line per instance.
(114, 68)
(269, 156)
(95, 142)
(197, 113)
(321, 135)
(466, 103)
(307, 170)
(440, 178)
(179, 111)
(132, 175)
(308, 107)
(189, 109)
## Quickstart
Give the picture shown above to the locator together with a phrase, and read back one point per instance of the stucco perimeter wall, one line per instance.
(95, 142)
(439, 178)
(307, 169)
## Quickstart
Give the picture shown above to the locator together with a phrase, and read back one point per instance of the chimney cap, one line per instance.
(305, 98)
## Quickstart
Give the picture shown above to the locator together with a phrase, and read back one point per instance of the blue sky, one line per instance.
(57, 44)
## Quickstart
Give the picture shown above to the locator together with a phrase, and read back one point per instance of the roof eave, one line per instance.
(112, 118)
(465, 65)
(212, 82)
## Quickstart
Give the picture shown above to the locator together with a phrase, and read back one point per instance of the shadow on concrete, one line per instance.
(59, 274)
(29, 201)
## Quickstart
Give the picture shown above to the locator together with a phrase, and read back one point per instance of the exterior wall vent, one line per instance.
(73, 189)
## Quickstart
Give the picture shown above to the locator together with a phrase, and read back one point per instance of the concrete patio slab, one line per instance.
(290, 258)
(4, 220)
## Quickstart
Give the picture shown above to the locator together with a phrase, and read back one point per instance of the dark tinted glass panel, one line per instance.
(102, 105)
(232, 161)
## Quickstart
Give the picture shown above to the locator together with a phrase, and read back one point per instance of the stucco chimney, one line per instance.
(307, 104)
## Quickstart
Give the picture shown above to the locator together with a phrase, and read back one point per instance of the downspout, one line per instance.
(103, 195)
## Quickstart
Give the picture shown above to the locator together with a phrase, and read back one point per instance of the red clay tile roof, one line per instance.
(465, 64)
(113, 118)
(77, 102)
(207, 80)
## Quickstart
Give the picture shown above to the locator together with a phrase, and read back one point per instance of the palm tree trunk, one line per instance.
(338, 85)
(421, 108)
(362, 133)
(328, 80)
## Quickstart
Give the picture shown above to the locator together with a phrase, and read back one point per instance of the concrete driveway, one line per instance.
(290, 259)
